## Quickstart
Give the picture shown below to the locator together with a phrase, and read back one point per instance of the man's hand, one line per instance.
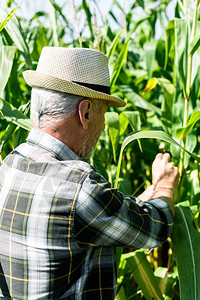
(164, 178)
(164, 173)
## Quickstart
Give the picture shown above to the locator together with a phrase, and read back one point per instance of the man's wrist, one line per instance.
(165, 194)
(164, 191)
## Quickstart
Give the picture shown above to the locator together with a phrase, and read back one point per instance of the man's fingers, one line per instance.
(166, 157)
(171, 165)
(159, 156)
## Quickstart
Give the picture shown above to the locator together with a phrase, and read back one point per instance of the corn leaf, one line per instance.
(113, 45)
(129, 117)
(89, 17)
(187, 251)
(167, 103)
(5, 136)
(9, 3)
(7, 54)
(160, 135)
(138, 100)
(150, 50)
(15, 32)
(143, 274)
(9, 16)
(119, 63)
(151, 84)
(183, 131)
(181, 54)
(132, 118)
(140, 3)
(194, 45)
(112, 120)
(53, 22)
(11, 114)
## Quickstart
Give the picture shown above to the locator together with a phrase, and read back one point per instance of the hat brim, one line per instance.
(37, 79)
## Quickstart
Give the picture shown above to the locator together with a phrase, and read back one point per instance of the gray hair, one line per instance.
(48, 105)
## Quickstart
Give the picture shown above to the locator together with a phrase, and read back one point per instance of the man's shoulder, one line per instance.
(46, 165)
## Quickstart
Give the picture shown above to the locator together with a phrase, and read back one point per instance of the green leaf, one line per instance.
(143, 274)
(11, 114)
(138, 100)
(129, 117)
(123, 123)
(15, 32)
(160, 135)
(10, 2)
(7, 54)
(141, 3)
(112, 120)
(181, 53)
(187, 251)
(150, 50)
(118, 5)
(89, 17)
(113, 45)
(4, 138)
(53, 23)
(59, 10)
(165, 281)
(167, 103)
(183, 131)
(119, 63)
(151, 84)
(9, 16)
(194, 45)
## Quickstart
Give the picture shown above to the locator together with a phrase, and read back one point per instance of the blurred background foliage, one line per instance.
(154, 63)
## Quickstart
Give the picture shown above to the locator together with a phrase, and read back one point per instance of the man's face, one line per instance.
(96, 126)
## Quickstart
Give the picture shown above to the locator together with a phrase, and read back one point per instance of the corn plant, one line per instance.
(159, 79)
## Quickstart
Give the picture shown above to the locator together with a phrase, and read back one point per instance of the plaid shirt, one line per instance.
(60, 222)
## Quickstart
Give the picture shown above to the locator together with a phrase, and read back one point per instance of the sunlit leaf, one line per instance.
(6, 135)
(160, 135)
(151, 84)
(138, 100)
(129, 117)
(119, 63)
(187, 250)
(181, 53)
(113, 45)
(7, 54)
(14, 30)
(194, 45)
(143, 274)
(112, 120)
(165, 280)
(11, 114)
(167, 103)
(141, 3)
(89, 16)
(53, 23)
(183, 131)
(9, 16)
(150, 50)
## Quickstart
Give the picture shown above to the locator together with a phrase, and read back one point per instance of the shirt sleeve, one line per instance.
(105, 217)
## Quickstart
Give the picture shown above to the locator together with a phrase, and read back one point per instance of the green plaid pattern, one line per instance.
(60, 222)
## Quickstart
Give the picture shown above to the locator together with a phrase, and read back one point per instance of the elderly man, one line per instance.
(60, 221)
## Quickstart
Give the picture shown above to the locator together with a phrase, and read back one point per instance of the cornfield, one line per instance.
(159, 78)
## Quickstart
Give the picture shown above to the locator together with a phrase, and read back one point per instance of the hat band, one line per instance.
(95, 87)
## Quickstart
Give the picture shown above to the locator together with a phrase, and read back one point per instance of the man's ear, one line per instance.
(85, 110)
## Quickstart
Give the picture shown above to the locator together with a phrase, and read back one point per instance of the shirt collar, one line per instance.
(49, 143)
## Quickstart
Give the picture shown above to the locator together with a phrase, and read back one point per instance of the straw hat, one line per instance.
(77, 71)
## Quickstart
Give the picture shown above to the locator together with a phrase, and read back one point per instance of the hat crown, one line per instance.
(75, 64)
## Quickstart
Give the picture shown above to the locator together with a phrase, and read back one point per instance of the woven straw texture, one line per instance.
(58, 67)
